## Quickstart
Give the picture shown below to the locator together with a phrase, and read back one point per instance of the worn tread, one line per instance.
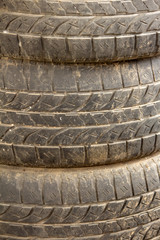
(69, 26)
(73, 78)
(79, 135)
(75, 119)
(79, 49)
(125, 204)
(84, 8)
(147, 202)
(45, 125)
(80, 39)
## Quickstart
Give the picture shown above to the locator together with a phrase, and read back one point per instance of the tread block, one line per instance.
(139, 5)
(151, 5)
(52, 190)
(95, 7)
(80, 48)
(49, 156)
(119, 6)
(146, 43)
(156, 68)
(54, 48)
(148, 145)
(97, 154)
(31, 47)
(6, 154)
(112, 209)
(16, 135)
(145, 71)
(129, 6)
(117, 151)
(20, 101)
(58, 215)
(104, 46)
(157, 145)
(13, 193)
(4, 130)
(47, 103)
(89, 78)
(111, 76)
(129, 74)
(87, 189)
(70, 190)
(93, 212)
(138, 180)
(125, 46)
(9, 44)
(65, 78)
(44, 81)
(25, 155)
(32, 190)
(13, 77)
(73, 156)
(109, 9)
(122, 183)
(69, 7)
(13, 213)
(152, 176)
(134, 148)
(105, 186)
(29, 5)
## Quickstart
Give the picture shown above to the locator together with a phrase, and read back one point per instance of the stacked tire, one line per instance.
(80, 120)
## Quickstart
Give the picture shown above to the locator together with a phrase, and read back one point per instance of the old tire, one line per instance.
(78, 115)
(81, 31)
(110, 203)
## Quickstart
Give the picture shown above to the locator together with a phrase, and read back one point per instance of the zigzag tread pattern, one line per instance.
(80, 119)
(84, 8)
(100, 228)
(78, 155)
(69, 26)
(77, 102)
(48, 215)
(137, 224)
(80, 135)
(122, 134)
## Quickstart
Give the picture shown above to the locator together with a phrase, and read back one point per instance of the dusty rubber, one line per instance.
(92, 31)
(83, 8)
(121, 201)
(78, 115)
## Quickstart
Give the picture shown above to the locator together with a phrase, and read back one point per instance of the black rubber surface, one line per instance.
(82, 8)
(92, 31)
(78, 115)
(69, 101)
(114, 202)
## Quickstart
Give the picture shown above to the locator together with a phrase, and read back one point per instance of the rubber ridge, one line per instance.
(88, 203)
(79, 38)
(51, 121)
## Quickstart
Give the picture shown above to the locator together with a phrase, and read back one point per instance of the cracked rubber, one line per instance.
(85, 31)
(78, 115)
(120, 201)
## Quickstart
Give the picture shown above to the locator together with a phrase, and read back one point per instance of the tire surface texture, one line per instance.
(79, 122)
(84, 8)
(115, 202)
(78, 115)
(92, 31)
